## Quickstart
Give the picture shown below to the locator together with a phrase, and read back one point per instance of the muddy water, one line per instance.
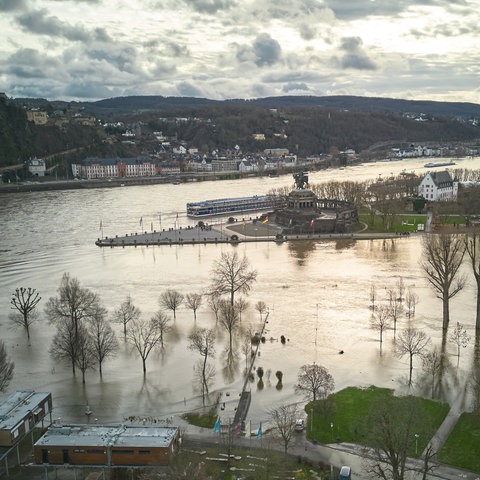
(317, 293)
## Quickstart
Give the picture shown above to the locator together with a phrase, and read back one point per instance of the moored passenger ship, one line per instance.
(232, 206)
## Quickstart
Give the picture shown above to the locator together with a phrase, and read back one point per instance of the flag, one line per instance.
(238, 429)
(311, 223)
(248, 430)
(216, 428)
(265, 220)
(141, 221)
(259, 433)
(101, 225)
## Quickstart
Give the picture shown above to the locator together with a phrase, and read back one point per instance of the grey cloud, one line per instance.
(355, 57)
(188, 90)
(210, 6)
(28, 63)
(38, 22)
(12, 5)
(307, 31)
(289, 87)
(121, 57)
(267, 50)
(176, 50)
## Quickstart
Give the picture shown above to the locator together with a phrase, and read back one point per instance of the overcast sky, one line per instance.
(218, 49)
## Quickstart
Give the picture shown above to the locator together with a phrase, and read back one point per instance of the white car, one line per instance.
(299, 425)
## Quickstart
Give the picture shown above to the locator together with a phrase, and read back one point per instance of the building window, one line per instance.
(144, 452)
(123, 452)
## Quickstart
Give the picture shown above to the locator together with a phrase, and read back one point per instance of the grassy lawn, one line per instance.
(463, 445)
(205, 420)
(399, 223)
(351, 406)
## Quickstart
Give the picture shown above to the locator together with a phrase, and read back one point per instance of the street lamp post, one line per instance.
(331, 426)
(416, 443)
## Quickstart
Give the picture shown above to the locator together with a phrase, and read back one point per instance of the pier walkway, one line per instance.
(229, 233)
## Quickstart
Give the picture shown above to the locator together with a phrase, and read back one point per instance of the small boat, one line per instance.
(439, 164)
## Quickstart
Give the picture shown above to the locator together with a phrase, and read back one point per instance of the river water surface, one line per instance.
(317, 294)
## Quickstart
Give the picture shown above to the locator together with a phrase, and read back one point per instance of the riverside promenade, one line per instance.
(236, 232)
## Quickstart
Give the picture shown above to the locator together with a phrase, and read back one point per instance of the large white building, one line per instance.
(116, 167)
(438, 187)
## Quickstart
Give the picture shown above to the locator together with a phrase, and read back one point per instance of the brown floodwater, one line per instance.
(317, 294)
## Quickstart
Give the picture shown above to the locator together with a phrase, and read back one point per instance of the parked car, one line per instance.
(299, 425)
(345, 473)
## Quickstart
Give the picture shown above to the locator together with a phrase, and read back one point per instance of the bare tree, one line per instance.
(400, 289)
(229, 319)
(64, 344)
(411, 342)
(472, 246)
(85, 357)
(432, 365)
(73, 303)
(379, 321)
(395, 307)
(203, 342)
(193, 302)
(25, 301)
(6, 368)
(314, 381)
(460, 338)
(411, 302)
(214, 303)
(162, 322)
(70, 311)
(373, 296)
(283, 421)
(126, 313)
(246, 347)
(261, 308)
(144, 336)
(241, 305)
(171, 300)
(443, 255)
(391, 436)
(230, 275)
(105, 343)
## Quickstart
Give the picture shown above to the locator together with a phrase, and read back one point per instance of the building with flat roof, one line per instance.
(113, 445)
(20, 412)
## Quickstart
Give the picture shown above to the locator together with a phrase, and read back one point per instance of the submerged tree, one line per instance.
(144, 336)
(203, 342)
(411, 342)
(193, 302)
(171, 300)
(6, 368)
(229, 319)
(162, 322)
(432, 365)
(25, 301)
(472, 246)
(126, 313)
(411, 302)
(104, 341)
(230, 275)
(241, 305)
(261, 308)
(443, 256)
(460, 338)
(379, 321)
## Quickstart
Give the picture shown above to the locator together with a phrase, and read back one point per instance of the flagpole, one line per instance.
(101, 227)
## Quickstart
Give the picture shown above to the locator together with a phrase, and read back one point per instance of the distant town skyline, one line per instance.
(220, 49)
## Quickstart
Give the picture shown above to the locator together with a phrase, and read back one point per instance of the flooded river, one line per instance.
(317, 294)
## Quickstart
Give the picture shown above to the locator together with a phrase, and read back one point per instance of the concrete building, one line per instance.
(115, 445)
(37, 117)
(20, 412)
(438, 186)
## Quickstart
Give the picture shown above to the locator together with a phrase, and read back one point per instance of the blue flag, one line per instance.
(259, 433)
(216, 428)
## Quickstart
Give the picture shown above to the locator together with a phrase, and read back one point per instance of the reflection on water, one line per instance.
(317, 294)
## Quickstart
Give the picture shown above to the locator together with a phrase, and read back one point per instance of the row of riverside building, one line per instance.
(85, 444)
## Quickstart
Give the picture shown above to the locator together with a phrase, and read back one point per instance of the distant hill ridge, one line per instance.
(130, 104)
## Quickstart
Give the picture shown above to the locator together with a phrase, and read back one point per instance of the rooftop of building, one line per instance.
(108, 435)
(18, 405)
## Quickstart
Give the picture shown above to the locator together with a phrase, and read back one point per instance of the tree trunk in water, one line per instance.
(411, 369)
(144, 367)
(477, 323)
(446, 311)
